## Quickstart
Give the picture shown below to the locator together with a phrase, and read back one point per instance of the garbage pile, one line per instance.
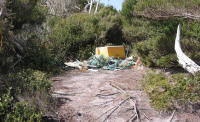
(99, 62)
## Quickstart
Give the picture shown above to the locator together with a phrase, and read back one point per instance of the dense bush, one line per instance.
(127, 9)
(153, 39)
(157, 48)
(38, 56)
(18, 112)
(28, 50)
(172, 92)
(70, 35)
(14, 50)
(25, 96)
(76, 37)
(26, 11)
(7, 45)
(28, 81)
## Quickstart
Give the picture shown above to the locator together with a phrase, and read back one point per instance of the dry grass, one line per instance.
(165, 9)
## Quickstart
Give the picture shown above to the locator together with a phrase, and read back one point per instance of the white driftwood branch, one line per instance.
(91, 3)
(97, 7)
(1, 7)
(184, 60)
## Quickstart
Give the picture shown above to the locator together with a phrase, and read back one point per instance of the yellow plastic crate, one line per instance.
(111, 51)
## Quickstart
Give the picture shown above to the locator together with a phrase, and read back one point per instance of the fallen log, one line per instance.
(187, 63)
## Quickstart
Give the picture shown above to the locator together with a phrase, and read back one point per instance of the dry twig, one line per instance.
(147, 117)
(105, 95)
(132, 101)
(105, 103)
(132, 118)
(136, 110)
(171, 118)
(116, 107)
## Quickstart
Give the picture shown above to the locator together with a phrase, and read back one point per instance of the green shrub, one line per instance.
(170, 92)
(38, 56)
(26, 11)
(28, 81)
(109, 26)
(127, 10)
(7, 47)
(35, 53)
(70, 36)
(28, 50)
(153, 41)
(23, 112)
(153, 38)
(12, 111)
(26, 95)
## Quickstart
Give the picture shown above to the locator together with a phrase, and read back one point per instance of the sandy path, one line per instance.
(87, 95)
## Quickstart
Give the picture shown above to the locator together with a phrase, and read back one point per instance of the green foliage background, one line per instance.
(76, 37)
(26, 11)
(22, 94)
(153, 39)
(36, 43)
(175, 92)
(22, 85)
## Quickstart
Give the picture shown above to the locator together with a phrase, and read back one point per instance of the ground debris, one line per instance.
(97, 95)
(99, 62)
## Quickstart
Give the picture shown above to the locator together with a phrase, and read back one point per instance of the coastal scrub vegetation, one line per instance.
(34, 44)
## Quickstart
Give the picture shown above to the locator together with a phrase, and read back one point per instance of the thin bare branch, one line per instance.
(116, 107)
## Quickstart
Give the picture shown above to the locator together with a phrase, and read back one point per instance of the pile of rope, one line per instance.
(110, 63)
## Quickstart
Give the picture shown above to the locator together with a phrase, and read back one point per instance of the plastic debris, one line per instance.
(98, 62)
(93, 70)
(76, 64)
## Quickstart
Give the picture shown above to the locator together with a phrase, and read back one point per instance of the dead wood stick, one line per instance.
(133, 103)
(147, 117)
(105, 112)
(129, 109)
(116, 107)
(118, 88)
(171, 118)
(131, 118)
(105, 95)
(105, 103)
(136, 110)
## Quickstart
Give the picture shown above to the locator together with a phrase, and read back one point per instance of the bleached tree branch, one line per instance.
(184, 60)
(97, 7)
(1, 7)
(91, 3)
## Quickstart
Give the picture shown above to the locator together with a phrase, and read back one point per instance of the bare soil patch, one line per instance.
(93, 97)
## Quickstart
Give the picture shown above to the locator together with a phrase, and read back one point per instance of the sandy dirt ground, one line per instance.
(109, 96)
